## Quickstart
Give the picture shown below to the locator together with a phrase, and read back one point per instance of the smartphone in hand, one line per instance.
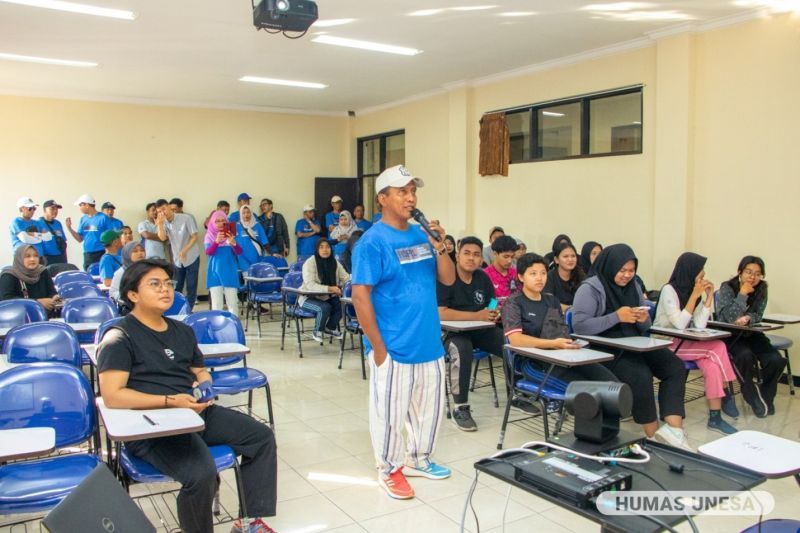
(492, 305)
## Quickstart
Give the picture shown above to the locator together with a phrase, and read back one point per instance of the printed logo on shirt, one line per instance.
(479, 298)
(531, 314)
(90, 227)
(169, 353)
(412, 254)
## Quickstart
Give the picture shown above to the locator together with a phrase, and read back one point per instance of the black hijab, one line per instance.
(687, 267)
(585, 260)
(326, 267)
(606, 267)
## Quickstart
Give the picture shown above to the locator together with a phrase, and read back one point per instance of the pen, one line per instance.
(150, 420)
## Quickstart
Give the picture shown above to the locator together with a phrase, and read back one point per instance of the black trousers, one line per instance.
(459, 348)
(187, 459)
(749, 351)
(55, 259)
(638, 369)
(90, 258)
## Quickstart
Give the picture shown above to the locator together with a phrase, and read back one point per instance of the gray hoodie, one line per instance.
(589, 307)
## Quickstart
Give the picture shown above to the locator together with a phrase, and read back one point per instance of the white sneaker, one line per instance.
(673, 436)
(317, 336)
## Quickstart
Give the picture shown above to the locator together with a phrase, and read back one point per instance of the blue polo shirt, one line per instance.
(249, 253)
(332, 219)
(401, 268)
(109, 264)
(51, 246)
(90, 228)
(305, 245)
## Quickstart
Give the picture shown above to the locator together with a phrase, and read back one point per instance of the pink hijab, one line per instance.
(212, 231)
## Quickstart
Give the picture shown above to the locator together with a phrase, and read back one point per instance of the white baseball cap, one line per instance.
(335, 199)
(396, 176)
(85, 199)
(308, 207)
(26, 201)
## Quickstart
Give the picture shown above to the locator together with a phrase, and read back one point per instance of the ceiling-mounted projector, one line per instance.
(284, 15)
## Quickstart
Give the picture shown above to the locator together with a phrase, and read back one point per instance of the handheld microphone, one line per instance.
(417, 215)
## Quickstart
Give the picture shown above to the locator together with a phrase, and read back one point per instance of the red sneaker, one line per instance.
(396, 485)
(256, 526)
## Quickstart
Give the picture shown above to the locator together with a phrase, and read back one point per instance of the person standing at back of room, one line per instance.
(55, 249)
(395, 269)
(92, 224)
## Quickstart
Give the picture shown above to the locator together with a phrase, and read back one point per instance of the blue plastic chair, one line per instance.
(525, 385)
(297, 266)
(78, 289)
(88, 309)
(180, 306)
(70, 276)
(94, 271)
(290, 308)
(212, 327)
(53, 342)
(478, 356)
(104, 327)
(21, 311)
(47, 395)
(280, 263)
(260, 293)
(352, 327)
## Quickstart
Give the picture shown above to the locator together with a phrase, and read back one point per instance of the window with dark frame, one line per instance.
(600, 124)
(375, 154)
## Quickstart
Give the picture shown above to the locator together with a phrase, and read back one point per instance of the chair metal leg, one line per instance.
(297, 323)
(240, 489)
(474, 375)
(505, 421)
(494, 385)
(283, 324)
(271, 420)
(258, 317)
(789, 375)
(545, 421)
(250, 402)
(341, 346)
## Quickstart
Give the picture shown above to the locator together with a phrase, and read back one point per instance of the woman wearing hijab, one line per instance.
(131, 252)
(742, 301)
(347, 255)
(27, 278)
(589, 252)
(558, 241)
(564, 279)
(686, 302)
(323, 273)
(342, 232)
(222, 276)
(251, 238)
(609, 304)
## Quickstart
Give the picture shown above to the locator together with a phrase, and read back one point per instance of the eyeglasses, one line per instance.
(752, 273)
(158, 285)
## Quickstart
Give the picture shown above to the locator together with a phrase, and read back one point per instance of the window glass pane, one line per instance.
(519, 132)
(395, 150)
(371, 156)
(615, 124)
(559, 131)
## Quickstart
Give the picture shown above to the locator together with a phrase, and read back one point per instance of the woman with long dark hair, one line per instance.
(609, 304)
(563, 238)
(564, 279)
(323, 273)
(589, 252)
(681, 304)
(450, 247)
(742, 301)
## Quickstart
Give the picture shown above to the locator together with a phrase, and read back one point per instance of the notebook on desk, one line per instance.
(98, 505)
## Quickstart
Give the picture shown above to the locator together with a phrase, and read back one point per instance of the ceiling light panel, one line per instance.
(72, 7)
(472, 8)
(284, 83)
(47, 60)
(618, 6)
(517, 14)
(425, 12)
(366, 45)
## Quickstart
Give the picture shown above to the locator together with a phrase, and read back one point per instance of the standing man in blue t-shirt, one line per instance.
(55, 249)
(307, 230)
(395, 269)
(25, 230)
(109, 209)
(93, 223)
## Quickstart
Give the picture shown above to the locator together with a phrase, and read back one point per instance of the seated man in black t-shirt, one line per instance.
(467, 299)
(147, 361)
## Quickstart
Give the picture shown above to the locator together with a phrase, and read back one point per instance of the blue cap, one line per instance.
(243, 196)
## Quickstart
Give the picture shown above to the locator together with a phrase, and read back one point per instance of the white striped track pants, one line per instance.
(410, 395)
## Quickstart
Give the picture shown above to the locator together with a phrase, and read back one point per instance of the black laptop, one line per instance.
(98, 505)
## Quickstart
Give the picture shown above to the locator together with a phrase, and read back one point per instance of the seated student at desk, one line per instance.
(502, 271)
(681, 306)
(131, 252)
(27, 278)
(742, 301)
(532, 318)
(323, 273)
(609, 304)
(566, 276)
(110, 262)
(589, 252)
(467, 299)
(147, 361)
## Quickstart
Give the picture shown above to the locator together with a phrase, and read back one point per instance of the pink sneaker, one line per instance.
(257, 525)
(396, 485)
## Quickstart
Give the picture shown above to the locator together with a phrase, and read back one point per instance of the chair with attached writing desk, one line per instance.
(71, 276)
(291, 309)
(261, 292)
(43, 342)
(352, 327)
(78, 289)
(21, 311)
(47, 395)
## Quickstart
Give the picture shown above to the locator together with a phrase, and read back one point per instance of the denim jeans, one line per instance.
(188, 274)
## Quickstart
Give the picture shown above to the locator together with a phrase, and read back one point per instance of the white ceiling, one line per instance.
(194, 51)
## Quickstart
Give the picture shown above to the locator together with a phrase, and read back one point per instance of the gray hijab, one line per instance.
(18, 270)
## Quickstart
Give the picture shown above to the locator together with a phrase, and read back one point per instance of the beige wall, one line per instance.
(133, 154)
(717, 174)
